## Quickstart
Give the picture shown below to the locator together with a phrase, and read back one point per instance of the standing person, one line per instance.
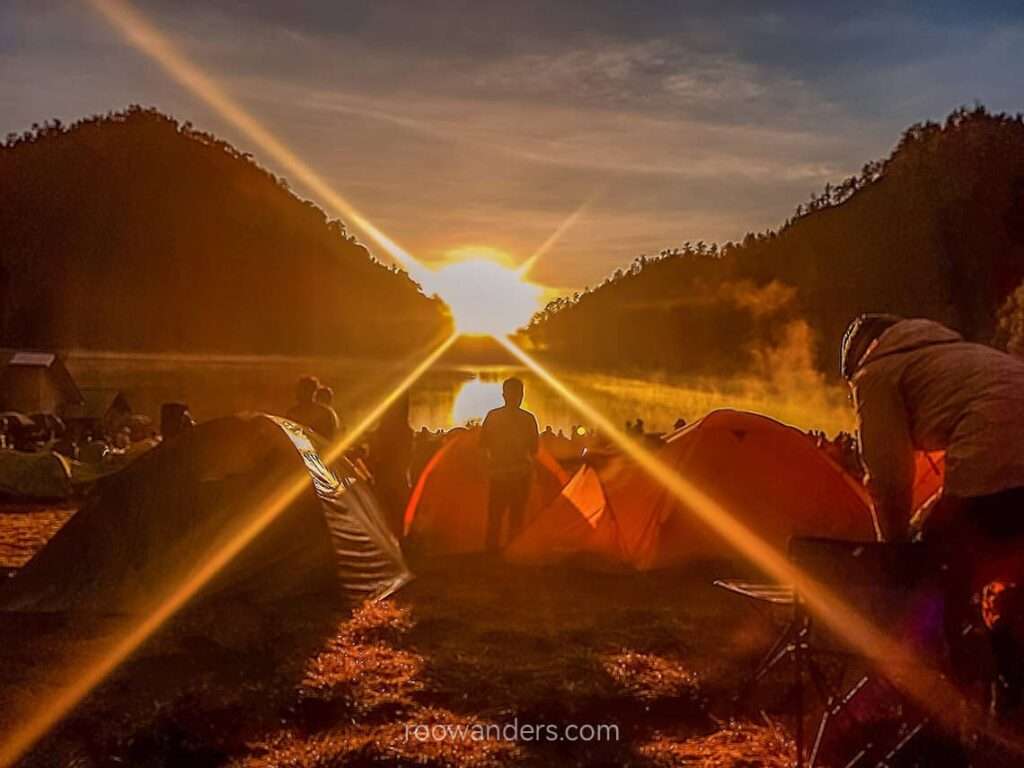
(306, 411)
(510, 440)
(175, 418)
(390, 460)
(325, 397)
(918, 386)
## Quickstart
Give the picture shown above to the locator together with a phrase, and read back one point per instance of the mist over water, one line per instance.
(449, 396)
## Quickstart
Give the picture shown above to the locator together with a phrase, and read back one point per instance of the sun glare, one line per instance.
(475, 398)
(485, 296)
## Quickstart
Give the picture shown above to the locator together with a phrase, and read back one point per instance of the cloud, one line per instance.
(488, 122)
(596, 138)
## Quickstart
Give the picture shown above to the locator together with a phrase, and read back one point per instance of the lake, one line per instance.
(215, 385)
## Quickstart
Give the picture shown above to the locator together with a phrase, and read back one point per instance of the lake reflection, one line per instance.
(444, 397)
(474, 399)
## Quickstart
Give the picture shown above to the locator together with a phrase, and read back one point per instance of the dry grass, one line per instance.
(468, 644)
(732, 746)
(24, 528)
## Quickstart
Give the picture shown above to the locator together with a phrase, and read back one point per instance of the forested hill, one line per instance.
(132, 232)
(935, 230)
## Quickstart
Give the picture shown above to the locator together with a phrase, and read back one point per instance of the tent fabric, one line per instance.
(48, 475)
(447, 512)
(929, 474)
(39, 476)
(562, 449)
(56, 370)
(578, 526)
(770, 476)
(153, 524)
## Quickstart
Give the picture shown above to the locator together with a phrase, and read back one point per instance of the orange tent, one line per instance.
(447, 512)
(772, 477)
(929, 473)
(562, 449)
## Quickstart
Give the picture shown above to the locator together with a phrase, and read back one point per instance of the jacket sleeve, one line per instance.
(887, 451)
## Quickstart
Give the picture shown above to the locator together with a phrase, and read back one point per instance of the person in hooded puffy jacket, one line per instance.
(919, 386)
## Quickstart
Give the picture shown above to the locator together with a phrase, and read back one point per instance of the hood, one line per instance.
(909, 335)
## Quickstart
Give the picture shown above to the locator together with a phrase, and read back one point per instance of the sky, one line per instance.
(453, 125)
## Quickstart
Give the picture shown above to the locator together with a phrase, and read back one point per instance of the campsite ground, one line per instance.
(657, 656)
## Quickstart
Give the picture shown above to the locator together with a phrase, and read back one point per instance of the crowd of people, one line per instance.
(916, 386)
(395, 455)
(92, 440)
(314, 407)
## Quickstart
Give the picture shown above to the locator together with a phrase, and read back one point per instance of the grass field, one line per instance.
(656, 657)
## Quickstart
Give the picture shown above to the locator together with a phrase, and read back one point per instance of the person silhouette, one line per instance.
(331, 421)
(391, 454)
(310, 413)
(175, 418)
(509, 439)
(917, 385)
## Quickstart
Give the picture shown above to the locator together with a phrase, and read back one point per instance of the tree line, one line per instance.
(934, 230)
(133, 231)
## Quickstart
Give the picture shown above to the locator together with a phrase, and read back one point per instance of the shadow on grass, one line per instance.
(191, 696)
(469, 643)
(562, 649)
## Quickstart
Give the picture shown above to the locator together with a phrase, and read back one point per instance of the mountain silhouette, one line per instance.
(131, 231)
(935, 230)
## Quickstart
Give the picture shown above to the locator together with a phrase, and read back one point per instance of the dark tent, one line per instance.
(154, 524)
(36, 382)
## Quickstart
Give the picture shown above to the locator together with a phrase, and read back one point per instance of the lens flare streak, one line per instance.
(553, 238)
(846, 622)
(138, 31)
(930, 690)
(52, 710)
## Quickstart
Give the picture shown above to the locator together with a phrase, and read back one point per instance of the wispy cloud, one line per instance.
(453, 123)
(594, 138)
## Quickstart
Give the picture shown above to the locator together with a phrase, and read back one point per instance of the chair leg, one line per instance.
(799, 655)
(782, 648)
(833, 708)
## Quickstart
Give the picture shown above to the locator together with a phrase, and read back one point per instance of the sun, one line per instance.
(486, 297)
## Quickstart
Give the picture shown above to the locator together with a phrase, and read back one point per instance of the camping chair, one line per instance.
(793, 644)
(885, 581)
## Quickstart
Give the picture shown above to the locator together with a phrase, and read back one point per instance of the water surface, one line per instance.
(443, 397)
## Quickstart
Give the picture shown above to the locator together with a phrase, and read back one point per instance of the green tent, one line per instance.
(42, 475)
(152, 525)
